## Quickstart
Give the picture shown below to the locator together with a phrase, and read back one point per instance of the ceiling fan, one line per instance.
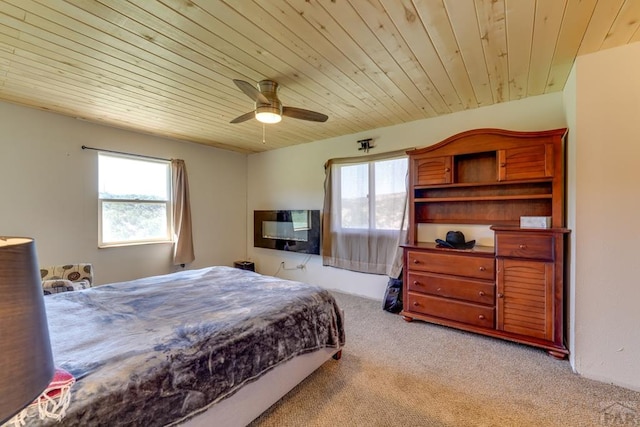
(268, 108)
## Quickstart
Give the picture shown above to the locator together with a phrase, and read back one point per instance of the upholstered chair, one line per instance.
(65, 278)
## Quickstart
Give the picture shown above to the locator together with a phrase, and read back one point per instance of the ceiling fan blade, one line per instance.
(251, 91)
(243, 118)
(299, 113)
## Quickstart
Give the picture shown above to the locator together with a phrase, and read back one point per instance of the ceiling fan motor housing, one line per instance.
(269, 89)
(273, 110)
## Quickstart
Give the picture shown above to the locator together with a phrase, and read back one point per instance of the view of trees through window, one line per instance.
(123, 221)
(373, 194)
(134, 199)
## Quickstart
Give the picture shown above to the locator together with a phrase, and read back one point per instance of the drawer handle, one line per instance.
(415, 261)
(481, 293)
(502, 165)
(447, 169)
(500, 295)
(416, 283)
(481, 317)
(416, 303)
(523, 246)
(483, 269)
(439, 290)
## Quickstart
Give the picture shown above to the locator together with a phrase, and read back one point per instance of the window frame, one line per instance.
(168, 203)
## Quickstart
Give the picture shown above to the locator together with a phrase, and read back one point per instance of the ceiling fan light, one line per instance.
(268, 117)
(268, 114)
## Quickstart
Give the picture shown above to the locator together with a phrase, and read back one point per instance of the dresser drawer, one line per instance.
(524, 245)
(459, 311)
(458, 264)
(452, 287)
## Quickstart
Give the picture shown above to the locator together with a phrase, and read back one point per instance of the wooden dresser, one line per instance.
(515, 289)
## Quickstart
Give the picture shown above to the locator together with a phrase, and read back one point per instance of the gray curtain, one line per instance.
(365, 251)
(183, 244)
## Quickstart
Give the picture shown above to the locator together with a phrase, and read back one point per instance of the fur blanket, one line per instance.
(156, 350)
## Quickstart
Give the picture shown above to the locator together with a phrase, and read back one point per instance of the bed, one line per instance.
(214, 346)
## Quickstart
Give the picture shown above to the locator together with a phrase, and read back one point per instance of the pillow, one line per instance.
(55, 286)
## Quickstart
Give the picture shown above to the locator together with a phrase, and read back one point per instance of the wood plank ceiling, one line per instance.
(166, 67)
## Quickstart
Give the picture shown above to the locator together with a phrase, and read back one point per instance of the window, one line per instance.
(372, 194)
(364, 211)
(134, 200)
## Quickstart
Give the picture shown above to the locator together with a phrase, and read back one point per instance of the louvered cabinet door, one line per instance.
(524, 303)
(432, 171)
(527, 162)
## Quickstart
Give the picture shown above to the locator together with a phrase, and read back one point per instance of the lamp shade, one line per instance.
(26, 362)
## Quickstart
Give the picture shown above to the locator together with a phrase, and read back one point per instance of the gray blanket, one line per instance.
(152, 351)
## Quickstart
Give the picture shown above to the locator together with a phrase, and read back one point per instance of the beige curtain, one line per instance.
(362, 250)
(183, 244)
(395, 270)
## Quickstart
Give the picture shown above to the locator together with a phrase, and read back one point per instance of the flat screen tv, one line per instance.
(287, 230)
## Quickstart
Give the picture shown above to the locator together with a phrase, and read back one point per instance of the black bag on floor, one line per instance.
(393, 296)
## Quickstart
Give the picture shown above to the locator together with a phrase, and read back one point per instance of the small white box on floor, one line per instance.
(535, 222)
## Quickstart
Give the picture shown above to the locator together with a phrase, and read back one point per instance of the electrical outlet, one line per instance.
(297, 267)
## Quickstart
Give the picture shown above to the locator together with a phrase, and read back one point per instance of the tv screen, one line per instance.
(287, 230)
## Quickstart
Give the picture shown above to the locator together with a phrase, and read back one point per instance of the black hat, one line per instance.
(455, 240)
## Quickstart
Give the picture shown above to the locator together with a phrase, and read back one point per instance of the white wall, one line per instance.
(607, 230)
(569, 95)
(293, 178)
(48, 190)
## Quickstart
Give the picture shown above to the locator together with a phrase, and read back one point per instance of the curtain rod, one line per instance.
(84, 147)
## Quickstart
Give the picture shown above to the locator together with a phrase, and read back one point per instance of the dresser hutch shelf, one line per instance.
(513, 290)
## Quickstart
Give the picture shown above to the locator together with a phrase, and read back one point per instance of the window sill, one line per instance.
(118, 245)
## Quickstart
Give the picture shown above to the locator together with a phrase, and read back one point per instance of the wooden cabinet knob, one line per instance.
(500, 295)
(481, 317)
(481, 293)
(523, 246)
(415, 261)
(447, 169)
(483, 269)
(416, 303)
(502, 165)
(416, 283)
(439, 289)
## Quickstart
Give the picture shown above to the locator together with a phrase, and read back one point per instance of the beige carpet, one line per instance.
(394, 373)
